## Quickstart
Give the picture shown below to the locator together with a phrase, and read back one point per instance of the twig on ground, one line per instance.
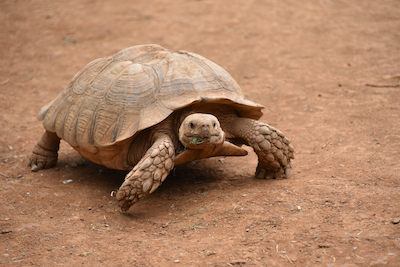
(385, 85)
(287, 258)
(5, 175)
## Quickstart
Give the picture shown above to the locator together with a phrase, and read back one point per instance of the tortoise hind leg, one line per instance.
(148, 173)
(45, 153)
(273, 149)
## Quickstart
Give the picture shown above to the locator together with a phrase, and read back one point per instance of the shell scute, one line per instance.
(84, 77)
(134, 86)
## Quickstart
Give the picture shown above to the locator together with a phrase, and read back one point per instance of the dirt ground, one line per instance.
(328, 73)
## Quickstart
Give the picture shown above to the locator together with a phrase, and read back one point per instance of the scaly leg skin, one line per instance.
(272, 147)
(148, 173)
(44, 154)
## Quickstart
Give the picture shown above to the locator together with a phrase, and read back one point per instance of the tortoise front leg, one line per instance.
(45, 153)
(148, 173)
(272, 147)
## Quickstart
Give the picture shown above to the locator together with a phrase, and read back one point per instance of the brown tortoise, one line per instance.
(147, 109)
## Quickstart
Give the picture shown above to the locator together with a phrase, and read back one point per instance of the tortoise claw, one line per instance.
(34, 167)
(44, 154)
(42, 159)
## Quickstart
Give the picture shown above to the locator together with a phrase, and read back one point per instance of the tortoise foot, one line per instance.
(274, 152)
(45, 153)
(148, 174)
(42, 159)
(266, 172)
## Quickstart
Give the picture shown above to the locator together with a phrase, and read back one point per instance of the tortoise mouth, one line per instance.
(195, 140)
(198, 142)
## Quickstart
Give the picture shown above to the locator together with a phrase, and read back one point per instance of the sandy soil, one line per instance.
(328, 72)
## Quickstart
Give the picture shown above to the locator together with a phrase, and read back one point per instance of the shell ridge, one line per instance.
(102, 125)
(99, 87)
(116, 129)
(106, 63)
(70, 123)
(48, 111)
(134, 87)
(176, 84)
(92, 126)
(116, 78)
(141, 52)
(86, 115)
(210, 71)
(59, 125)
(77, 123)
(160, 79)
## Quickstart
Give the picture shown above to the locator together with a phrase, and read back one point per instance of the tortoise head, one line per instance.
(199, 131)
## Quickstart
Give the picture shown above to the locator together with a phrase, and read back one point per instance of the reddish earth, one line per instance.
(328, 73)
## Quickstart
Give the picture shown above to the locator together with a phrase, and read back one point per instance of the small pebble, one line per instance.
(396, 220)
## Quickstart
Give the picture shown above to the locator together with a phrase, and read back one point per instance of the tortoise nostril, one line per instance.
(205, 127)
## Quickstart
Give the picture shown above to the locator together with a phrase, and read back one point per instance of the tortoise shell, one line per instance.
(113, 98)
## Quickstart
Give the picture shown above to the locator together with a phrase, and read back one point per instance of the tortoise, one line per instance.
(147, 109)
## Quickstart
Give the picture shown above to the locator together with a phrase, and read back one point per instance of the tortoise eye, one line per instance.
(191, 125)
(214, 125)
